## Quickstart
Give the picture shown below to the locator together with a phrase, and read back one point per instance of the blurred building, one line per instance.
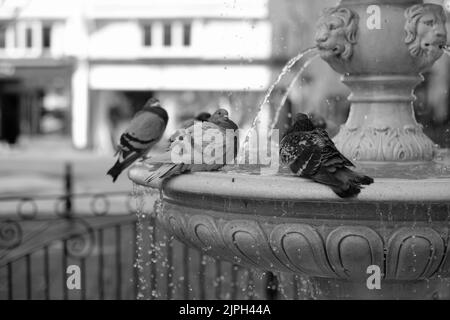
(82, 67)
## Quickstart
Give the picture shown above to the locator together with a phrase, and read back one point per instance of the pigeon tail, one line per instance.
(118, 167)
(350, 191)
(115, 170)
(343, 181)
(345, 174)
(166, 170)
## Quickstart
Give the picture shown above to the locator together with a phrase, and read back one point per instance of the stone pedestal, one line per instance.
(381, 47)
(381, 124)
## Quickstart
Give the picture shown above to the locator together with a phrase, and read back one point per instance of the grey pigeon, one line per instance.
(164, 167)
(145, 130)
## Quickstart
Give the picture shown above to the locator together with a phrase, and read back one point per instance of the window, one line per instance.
(28, 37)
(2, 36)
(167, 34)
(46, 37)
(187, 34)
(147, 35)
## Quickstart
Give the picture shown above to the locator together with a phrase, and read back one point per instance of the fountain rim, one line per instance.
(291, 188)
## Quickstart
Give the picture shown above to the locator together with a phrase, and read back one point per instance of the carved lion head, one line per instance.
(425, 31)
(336, 33)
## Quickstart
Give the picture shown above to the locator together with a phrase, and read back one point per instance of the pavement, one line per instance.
(36, 168)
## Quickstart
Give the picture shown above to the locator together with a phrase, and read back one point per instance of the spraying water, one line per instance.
(266, 98)
(313, 51)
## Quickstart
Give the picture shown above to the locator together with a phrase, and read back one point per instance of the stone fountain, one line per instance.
(287, 224)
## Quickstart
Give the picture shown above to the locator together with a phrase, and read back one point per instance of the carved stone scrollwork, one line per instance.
(204, 232)
(385, 144)
(426, 34)
(175, 224)
(336, 35)
(300, 247)
(414, 253)
(248, 241)
(339, 252)
(352, 249)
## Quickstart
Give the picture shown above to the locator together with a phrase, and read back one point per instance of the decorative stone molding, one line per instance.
(350, 248)
(330, 250)
(425, 33)
(301, 248)
(336, 35)
(414, 253)
(384, 144)
(381, 64)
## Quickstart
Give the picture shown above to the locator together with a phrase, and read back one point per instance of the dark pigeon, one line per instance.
(310, 153)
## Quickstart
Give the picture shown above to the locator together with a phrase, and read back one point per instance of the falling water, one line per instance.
(269, 91)
(448, 214)
(146, 250)
(446, 49)
(290, 87)
(429, 214)
(140, 261)
(413, 244)
(390, 214)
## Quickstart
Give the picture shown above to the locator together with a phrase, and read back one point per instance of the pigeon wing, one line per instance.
(299, 151)
(144, 131)
(330, 154)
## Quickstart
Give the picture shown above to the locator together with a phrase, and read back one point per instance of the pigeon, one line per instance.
(145, 130)
(310, 153)
(202, 116)
(166, 168)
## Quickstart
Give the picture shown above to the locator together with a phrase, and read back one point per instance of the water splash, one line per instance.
(379, 211)
(413, 243)
(429, 214)
(448, 214)
(390, 214)
(146, 251)
(140, 261)
(314, 54)
(269, 91)
(446, 49)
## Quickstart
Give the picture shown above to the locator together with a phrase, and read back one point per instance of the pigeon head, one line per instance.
(220, 114)
(154, 106)
(152, 102)
(302, 122)
(220, 118)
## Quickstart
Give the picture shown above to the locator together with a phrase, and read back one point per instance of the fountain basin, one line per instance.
(289, 224)
(284, 223)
